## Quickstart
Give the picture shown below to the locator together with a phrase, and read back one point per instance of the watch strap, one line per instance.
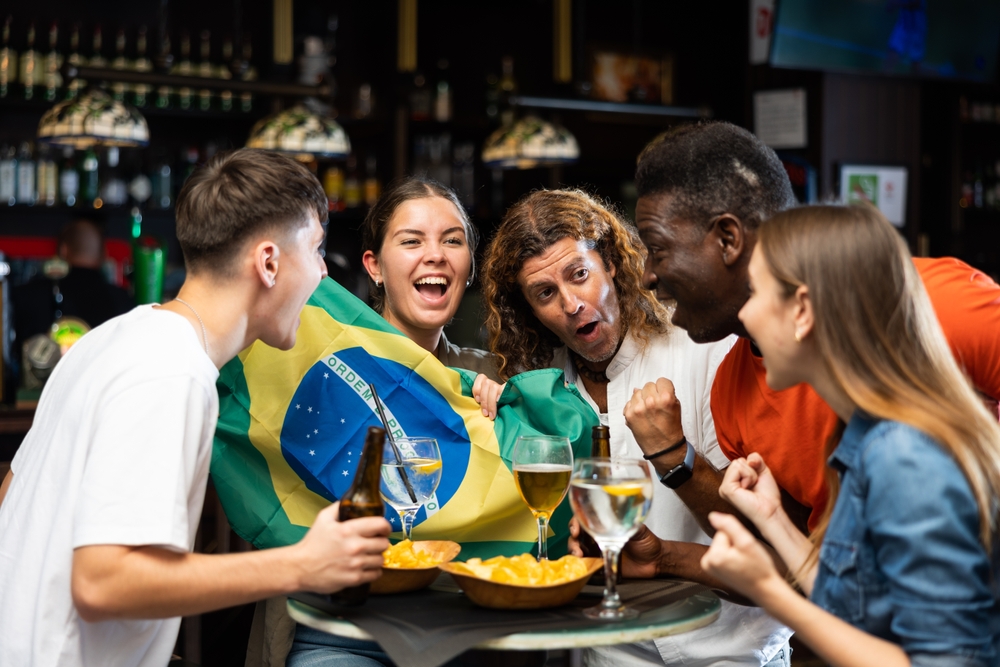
(682, 472)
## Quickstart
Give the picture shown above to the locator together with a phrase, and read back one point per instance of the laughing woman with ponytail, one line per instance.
(904, 568)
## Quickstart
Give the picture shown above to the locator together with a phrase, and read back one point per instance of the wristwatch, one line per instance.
(672, 479)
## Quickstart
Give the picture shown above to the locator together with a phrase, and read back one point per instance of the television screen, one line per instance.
(929, 38)
(885, 187)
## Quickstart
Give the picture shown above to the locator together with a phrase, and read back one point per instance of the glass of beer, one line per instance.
(410, 480)
(611, 498)
(542, 468)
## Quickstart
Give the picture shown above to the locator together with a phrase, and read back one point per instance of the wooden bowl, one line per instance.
(404, 580)
(496, 595)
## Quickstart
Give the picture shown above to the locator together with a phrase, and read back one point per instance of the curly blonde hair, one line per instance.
(522, 343)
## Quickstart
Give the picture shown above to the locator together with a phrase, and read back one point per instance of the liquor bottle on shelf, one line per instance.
(164, 94)
(352, 186)
(114, 192)
(8, 60)
(249, 74)
(508, 84)
(333, 185)
(69, 179)
(141, 91)
(162, 183)
(140, 188)
(8, 175)
(184, 68)
(442, 101)
(53, 61)
(74, 57)
(118, 89)
(492, 97)
(47, 177)
(363, 499)
(97, 58)
(463, 177)
(224, 71)
(90, 184)
(372, 188)
(363, 103)
(26, 193)
(205, 70)
(420, 98)
(30, 65)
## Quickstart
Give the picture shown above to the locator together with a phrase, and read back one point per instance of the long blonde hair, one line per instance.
(881, 341)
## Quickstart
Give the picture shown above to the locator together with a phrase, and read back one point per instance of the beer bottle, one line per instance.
(600, 446)
(363, 499)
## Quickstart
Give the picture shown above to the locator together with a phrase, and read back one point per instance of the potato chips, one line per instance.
(524, 570)
(403, 556)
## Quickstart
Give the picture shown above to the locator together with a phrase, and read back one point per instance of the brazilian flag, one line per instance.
(292, 425)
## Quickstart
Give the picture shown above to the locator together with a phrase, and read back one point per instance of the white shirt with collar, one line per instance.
(742, 635)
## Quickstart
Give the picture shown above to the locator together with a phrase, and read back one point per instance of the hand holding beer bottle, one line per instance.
(363, 499)
(342, 552)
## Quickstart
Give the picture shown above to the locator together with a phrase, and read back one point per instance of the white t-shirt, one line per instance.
(741, 635)
(118, 454)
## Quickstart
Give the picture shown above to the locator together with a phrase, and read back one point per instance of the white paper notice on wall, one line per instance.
(761, 20)
(779, 117)
(885, 187)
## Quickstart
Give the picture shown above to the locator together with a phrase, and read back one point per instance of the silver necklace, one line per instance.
(204, 334)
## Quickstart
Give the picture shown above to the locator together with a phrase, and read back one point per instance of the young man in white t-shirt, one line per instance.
(100, 508)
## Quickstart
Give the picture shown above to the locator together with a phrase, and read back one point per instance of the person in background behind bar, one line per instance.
(562, 283)
(84, 292)
(99, 512)
(899, 571)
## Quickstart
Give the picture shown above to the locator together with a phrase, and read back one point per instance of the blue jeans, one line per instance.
(313, 648)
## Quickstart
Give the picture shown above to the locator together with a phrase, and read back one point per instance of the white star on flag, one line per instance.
(315, 430)
(309, 409)
(308, 436)
(343, 421)
(297, 406)
(345, 473)
(326, 375)
(392, 519)
(312, 452)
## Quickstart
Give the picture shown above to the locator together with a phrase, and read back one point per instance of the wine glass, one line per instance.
(420, 460)
(611, 498)
(542, 468)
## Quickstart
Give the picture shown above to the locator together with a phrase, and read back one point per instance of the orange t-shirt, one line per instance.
(790, 428)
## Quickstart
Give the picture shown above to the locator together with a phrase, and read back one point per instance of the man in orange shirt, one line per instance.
(703, 190)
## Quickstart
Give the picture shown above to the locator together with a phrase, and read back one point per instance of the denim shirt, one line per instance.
(902, 559)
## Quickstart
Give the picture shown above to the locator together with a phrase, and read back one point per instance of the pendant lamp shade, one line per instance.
(528, 143)
(94, 118)
(300, 131)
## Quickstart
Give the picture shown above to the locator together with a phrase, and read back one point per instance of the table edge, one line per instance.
(534, 640)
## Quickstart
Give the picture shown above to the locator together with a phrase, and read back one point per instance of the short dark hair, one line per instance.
(712, 168)
(395, 195)
(238, 194)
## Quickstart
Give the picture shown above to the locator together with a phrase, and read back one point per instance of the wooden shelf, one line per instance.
(610, 107)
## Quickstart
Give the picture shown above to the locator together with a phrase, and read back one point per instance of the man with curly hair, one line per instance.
(563, 285)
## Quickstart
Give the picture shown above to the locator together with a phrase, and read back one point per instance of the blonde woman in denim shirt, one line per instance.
(903, 569)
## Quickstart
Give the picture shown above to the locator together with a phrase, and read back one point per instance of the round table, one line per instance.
(682, 616)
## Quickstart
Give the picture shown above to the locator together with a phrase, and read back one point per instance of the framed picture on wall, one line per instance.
(882, 186)
(618, 76)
